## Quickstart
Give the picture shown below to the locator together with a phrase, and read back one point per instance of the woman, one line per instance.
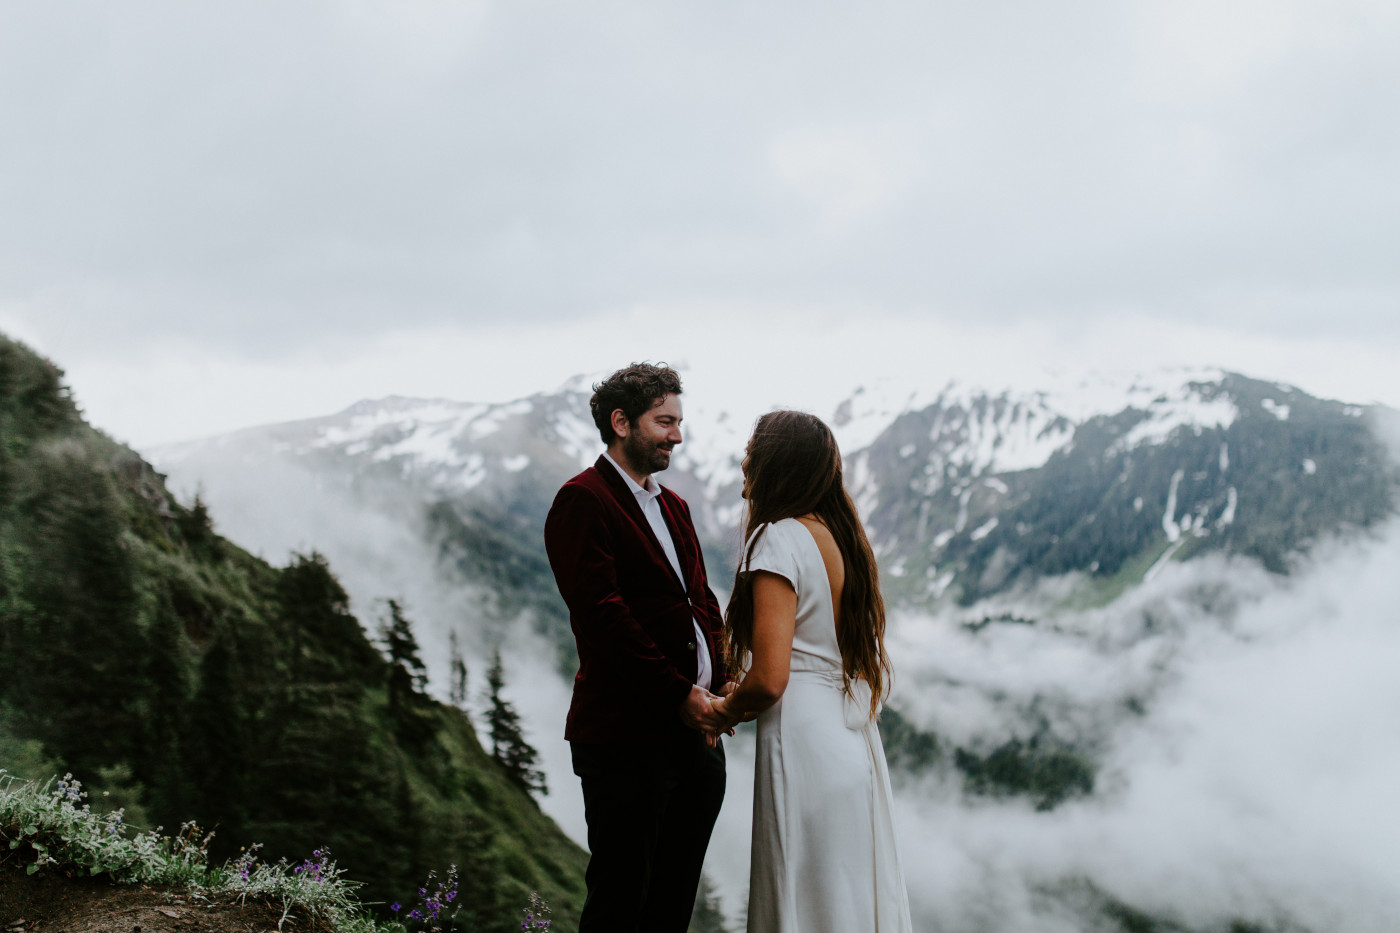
(806, 623)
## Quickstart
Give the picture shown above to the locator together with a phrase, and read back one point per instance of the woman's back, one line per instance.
(788, 548)
(831, 559)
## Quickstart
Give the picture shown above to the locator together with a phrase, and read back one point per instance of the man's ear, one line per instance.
(621, 427)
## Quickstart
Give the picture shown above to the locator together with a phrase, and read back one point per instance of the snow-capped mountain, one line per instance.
(965, 492)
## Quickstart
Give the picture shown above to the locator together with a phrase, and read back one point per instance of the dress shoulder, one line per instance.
(775, 550)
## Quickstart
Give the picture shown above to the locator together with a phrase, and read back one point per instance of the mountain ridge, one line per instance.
(943, 480)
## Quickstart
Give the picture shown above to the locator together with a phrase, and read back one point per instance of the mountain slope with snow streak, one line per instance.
(965, 492)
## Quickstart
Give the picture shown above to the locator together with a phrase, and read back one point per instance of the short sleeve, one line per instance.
(774, 553)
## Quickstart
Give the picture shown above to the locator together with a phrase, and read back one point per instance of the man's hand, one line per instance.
(719, 719)
(695, 708)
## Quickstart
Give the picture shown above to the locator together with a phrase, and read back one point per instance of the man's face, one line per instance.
(648, 443)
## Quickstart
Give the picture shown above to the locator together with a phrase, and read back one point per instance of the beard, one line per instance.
(644, 455)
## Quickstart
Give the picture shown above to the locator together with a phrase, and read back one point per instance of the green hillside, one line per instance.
(188, 679)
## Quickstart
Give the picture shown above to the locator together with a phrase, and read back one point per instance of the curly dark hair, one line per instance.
(634, 389)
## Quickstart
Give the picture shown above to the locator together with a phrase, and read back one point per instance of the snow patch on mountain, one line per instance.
(425, 430)
(975, 433)
(713, 445)
(1182, 406)
(576, 433)
(430, 443)
(868, 410)
(1169, 525)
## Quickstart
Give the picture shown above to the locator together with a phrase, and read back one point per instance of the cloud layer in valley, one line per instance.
(1243, 725)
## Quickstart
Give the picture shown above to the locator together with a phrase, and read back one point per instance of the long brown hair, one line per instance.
(793, 468)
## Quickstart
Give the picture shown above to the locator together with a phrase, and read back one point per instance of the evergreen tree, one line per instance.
(458, 692)
(74, 612)
(169, 682)
(195, 525)
(408, 677)
(407, 673)
(327, 644)
(220, 740)
(508, 745)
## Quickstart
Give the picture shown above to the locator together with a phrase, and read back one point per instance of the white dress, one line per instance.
(824, 857)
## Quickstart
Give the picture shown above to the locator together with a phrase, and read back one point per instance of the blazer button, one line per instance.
(690, 646)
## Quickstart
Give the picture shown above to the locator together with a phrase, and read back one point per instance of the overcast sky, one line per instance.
(220, 214)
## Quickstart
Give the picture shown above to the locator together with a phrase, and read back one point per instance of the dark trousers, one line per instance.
(650, 807)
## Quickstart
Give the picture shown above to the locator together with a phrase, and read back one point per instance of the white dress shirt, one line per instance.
(646, 498)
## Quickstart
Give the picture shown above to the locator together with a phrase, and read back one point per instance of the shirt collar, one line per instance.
(650, 491)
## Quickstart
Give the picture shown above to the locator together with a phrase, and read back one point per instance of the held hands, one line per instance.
(704, 711)
(719, 719)
(695, 708)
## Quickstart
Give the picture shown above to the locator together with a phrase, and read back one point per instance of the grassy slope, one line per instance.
(190, 679)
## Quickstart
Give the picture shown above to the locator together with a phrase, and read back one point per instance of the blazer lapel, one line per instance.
(624, 495)
(680, 541)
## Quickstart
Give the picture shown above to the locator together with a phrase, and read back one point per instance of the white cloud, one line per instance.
(431, 36)
(219, 174)
(739, 358)
(1255, 786)
(847, 172)
(1190, 51)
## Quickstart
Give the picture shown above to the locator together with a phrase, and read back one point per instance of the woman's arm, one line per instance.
(774, 618)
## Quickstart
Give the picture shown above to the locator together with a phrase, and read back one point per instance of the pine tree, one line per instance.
(508, 745)
(408, 675)
(195, 524)
(458, 692)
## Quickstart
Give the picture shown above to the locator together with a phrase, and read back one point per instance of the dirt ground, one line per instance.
(49, 902)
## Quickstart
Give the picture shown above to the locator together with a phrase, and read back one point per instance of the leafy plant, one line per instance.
(51, 825)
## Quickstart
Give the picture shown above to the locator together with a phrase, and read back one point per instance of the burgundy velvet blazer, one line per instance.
(630, 615)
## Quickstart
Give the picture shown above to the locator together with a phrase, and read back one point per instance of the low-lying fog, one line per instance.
(1256, 782)
(1244, 727)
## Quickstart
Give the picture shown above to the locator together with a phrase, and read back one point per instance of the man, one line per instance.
(627, 562)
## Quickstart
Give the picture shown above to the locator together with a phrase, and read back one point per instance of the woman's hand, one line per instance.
(721, 710)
